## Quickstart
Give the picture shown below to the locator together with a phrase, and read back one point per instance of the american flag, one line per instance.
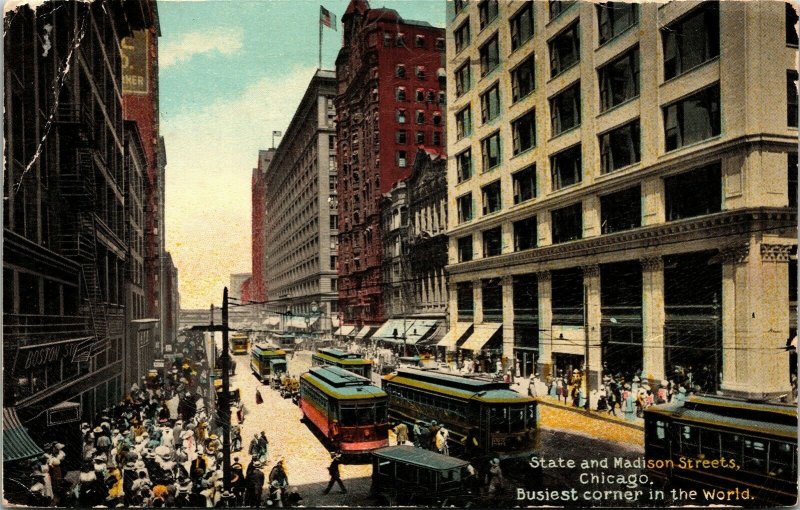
(326, 18)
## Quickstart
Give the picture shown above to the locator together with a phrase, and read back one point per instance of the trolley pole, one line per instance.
(224, 404)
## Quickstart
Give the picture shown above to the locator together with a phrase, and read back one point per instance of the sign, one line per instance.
(158, 363)
(33, 356)
(135, 63)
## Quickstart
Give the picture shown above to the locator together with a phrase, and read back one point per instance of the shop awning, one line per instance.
(420, 329)
(481, 335)
(387, 329)
(344, 330)
(272, 321)
(366, 332)
(17, 444)
(452, 337)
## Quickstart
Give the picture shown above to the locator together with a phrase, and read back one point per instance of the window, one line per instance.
(566, 167)
(567, 296)
(567, 223)
(420, 95)
(559, 6)
(524, 129)
(462, 36)
(401, 93)
(388, 39)
(419, 41)
(437, 118)
(463, 123)
(792, 180)
(420, 72)
(464, 165)
(525, 234)
(490, 56)
(613, 18)
(524, 183)
(619, 80)
(565, 109)
(333, 263)
(420, 137)
(401, 159)
(791, 21)
(492, 201)
(464, 207)
(490, 148)
(490, 104)
(463, 79)
(487, 12)
(522, 26)
(401, 40)
(620, 147)
(692, 119)
(400, 71)
(401, 116)
(460, 4)
(420, 117)
(523, 79)
(492, 242)
(691, 41)
(492, 299)
(693, 193)
(437, 138)
(621, 210)
(401, 137)
(791, 98)
(334, 222)
(564, 50)
(466, 300)
(465, 248)
(440, 43)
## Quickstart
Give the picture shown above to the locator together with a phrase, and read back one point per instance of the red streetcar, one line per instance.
(349, 411)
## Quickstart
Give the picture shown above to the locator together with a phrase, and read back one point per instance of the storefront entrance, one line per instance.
(566, 363)
(525, 361)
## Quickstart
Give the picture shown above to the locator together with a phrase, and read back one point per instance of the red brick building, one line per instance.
(389, 103)
(255, 288)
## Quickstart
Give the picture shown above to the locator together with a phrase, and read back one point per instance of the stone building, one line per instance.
(623, 188)
(389, 102)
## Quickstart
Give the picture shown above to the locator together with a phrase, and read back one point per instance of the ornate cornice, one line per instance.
(775, 252)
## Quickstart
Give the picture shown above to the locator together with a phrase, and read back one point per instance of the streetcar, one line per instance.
(474, 410)
(267, 360)
(348, 410)
(239, 343)
(349, 361)
(712, 443)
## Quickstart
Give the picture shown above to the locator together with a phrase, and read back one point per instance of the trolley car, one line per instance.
(500, 420)
(712, 444)
(267, 360)
(349, 361)
(239, 343)
(348, 410)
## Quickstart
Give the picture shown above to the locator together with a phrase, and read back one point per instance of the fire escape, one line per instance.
(78, 238)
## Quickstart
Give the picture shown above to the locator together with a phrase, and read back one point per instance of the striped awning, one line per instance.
(17, 444)
(481, 335)
(365, 332)
(456, 334)
(344, 330)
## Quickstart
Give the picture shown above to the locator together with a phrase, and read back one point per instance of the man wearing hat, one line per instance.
(333, 470)
(254, 485)
(496, 480)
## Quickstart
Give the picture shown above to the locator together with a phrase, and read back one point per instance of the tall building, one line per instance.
(64, 225)
(620, 191)
(237, 283)
(389, 100)
(257, 287)
(300, 231)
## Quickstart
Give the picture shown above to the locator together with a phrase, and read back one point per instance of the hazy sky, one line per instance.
(231, 72)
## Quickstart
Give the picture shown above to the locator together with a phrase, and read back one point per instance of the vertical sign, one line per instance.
(135, 65)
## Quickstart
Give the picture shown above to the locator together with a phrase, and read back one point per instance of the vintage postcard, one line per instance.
(407, 253)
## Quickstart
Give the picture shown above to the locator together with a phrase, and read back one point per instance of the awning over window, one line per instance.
(481, 335)
(452, 337)
(272, 321)
(344, 330)
(17, 444)
(365, 332)
(420, 329)
(387, 329)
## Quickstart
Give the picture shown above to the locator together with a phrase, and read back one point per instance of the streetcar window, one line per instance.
(755, 455)
(498, 419)
(406, 473)
(365, 415)
(709, 444)
(531, 416)
(426, 477)
(690, 443)
(347, 417)
(380, 413)
(732, 446)
(517, 419)
(781, 460)
(386, 467)
(661, 429)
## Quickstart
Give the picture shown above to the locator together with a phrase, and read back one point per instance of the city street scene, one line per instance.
(415, 253)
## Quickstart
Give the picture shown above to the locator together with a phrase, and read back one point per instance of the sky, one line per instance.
(231, 73)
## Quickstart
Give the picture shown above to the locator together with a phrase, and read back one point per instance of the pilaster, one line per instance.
(653, 317)
(508, 317)
(545, 361)
(591, 282)
(477, 301)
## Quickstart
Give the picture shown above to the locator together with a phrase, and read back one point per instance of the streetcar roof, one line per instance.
(342, 384)
(459, 387)
(339, 356)
(268, 350)
(420, 457)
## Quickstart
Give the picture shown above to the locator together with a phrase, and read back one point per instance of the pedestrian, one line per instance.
(263, 447)
(253, 449)
(401, 432)
(333, 470)
(533, 390)
(240, 412)
(496, 480)
(254, 485)
(432, 433)
(629, 404)
(279, 479)
(442, 436)
(236, 442)
(259, 398)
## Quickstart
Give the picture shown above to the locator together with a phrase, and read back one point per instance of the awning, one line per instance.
(482, 334)
(344, 331)
(272, 321)
(387, 329)
(421, 328)
(296, 322)
(365, 332)
(452, 337)
(17, 444)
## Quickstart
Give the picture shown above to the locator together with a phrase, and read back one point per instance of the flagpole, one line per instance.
(320, 46)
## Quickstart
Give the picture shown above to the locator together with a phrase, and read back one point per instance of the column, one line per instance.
(755, 320)
(452, 305)
(591, 282)
(653, 318)
(477, 301)
(545, 361)
(508, 323)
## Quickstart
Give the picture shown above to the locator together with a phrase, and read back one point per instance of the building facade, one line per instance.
(388, 103)
(620, 195)
(257, 287)
(65, 223)
(301, 221)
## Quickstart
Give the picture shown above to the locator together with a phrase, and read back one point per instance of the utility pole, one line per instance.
(224, 404)
(586, 340)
